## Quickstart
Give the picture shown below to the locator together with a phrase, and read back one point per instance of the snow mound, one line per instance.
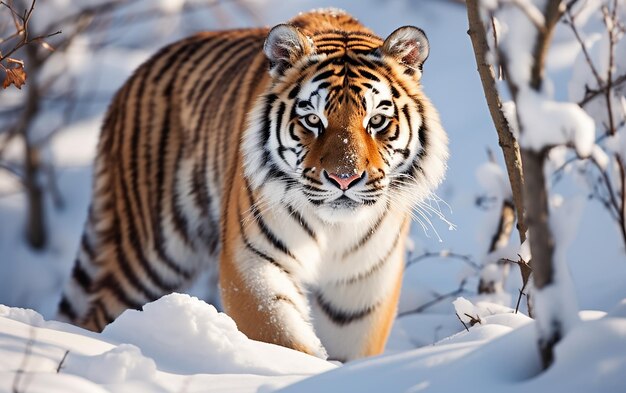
(186, 335)
(24, 315)
(120, 364)
(497, 355)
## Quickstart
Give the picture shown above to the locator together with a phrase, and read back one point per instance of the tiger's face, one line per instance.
(348, 130)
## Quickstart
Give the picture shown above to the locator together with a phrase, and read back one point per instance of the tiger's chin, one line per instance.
(344, 209)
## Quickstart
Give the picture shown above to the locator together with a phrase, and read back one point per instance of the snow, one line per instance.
(496, 355)
(191, 345)
(549, 123)
(186, 322)
(179, 343)
(121, 364)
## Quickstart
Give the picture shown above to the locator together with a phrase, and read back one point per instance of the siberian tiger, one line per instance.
(302, 179)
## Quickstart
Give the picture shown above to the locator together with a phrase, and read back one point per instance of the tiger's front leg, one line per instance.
(259, 282)
(268, 306)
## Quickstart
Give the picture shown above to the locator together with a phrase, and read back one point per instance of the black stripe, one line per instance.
(157, 216)
(368, 235)
(255, 250)
(222, 114)
(174, 56)
(313, 189)
(405, 111)
(269, 101)
(118, 229)
(133, 165)
(326, 62)
(294, 92)
(355, 89)
(137, 243)
(106, 318)
(66, 308)
(292, 133)
(342, 318)
(210, 112)
(223, 53)
(395, 135)
(178, 218)
(81, 276)
(423, 138)
(275, 173)
(373, 269)
(229, 179)
(362, 49)
(405, 152)
(369, 75)
(129, 272)
(98, 316)
(323, 85)
(279, 124)
(374, 64)
(384, 103)
(323, 75)
(86, 246)
(196, 131)
(300, 220)
(115, 288)
(395, 92)
(265, 230)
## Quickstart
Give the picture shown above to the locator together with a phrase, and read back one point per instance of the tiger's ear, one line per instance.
(408, 45)
(284, 46)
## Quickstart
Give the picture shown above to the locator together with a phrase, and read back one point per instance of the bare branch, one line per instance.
(506, 140)
(604, 89)
(60, 366)
(552, 12)
(570, 20)
(443, 254)
(460, 290)
(463, 323)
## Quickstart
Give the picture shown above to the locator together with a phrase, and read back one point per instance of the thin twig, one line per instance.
(609, 74)
(460, 290)
(28, 350)
(622, 207)
(593, 93)
(570, 20)
(62, 361)
(464, 325)
(443, 254)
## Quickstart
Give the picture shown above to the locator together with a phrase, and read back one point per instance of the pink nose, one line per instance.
(343, 180)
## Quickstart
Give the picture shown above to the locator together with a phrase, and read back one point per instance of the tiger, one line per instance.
(293, 156)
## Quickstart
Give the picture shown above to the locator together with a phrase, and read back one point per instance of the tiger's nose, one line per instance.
(343, 180)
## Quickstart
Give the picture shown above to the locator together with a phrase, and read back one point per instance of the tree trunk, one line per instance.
(35, 225)
(541, 241)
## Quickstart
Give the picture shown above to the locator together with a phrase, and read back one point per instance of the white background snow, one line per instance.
(181, 344)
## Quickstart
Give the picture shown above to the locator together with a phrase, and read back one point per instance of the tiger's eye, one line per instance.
(377, 120)
(313, 120)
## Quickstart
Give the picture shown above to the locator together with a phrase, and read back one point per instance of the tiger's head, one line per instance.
(344, 129)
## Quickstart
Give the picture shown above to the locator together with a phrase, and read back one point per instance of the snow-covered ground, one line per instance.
(181, 344)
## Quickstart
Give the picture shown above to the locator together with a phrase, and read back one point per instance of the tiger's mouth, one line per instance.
(344, 202)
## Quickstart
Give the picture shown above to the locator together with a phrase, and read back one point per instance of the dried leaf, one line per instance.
(14, 76)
